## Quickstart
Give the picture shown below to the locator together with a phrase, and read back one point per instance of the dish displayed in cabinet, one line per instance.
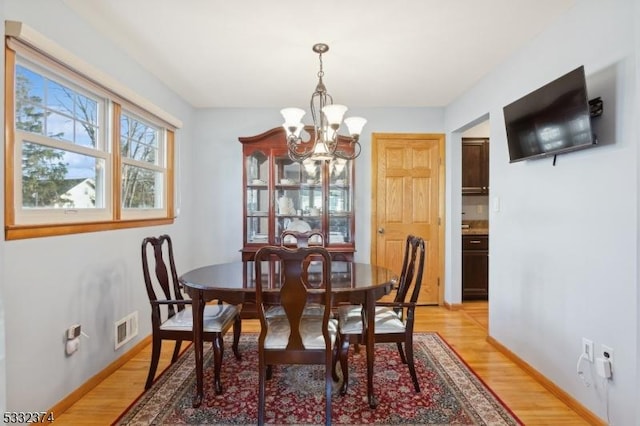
(298, 225)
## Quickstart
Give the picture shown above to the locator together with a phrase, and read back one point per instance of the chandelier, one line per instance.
(326, 143)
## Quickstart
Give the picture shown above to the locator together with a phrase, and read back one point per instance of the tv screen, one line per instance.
(550, 120)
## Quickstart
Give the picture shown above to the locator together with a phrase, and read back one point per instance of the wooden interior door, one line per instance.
(408, 194)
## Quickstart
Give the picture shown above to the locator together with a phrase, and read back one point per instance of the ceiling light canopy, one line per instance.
(326, 143)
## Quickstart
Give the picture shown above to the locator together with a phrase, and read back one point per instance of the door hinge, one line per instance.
(439, 221)
(438, 281)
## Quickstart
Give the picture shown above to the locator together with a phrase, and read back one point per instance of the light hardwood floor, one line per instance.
(465, 330)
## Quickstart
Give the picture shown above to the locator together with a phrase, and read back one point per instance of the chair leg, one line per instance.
(328, 385)
(401, 352)
(344, 363)
(412, 369)
(237, 329)
(269, 373)
(262, 378)
(155, 356)
(176, 351)
(334, 359)
(218, 352)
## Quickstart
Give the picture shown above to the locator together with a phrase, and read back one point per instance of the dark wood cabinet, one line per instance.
(475, 166)
(281, 194)
(475, 267)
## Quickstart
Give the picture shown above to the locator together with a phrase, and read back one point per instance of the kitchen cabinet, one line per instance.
(475, 267)
(281, 194)
(475, 166)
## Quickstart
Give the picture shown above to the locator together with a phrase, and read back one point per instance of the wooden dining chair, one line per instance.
(393, 320)
(294, 338)
(171, 315)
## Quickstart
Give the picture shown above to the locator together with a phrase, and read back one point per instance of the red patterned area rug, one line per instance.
(451, 393)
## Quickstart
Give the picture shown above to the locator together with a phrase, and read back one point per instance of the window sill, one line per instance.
(19, 232)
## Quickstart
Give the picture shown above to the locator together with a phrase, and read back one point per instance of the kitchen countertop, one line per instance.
(476, 227)
(475, 231)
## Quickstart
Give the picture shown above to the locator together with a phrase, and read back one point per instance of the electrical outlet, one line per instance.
(606, 350)
(72, 345)
(603, 368)
(587, 349)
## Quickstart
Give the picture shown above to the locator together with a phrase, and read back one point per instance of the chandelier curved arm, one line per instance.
(354, 152)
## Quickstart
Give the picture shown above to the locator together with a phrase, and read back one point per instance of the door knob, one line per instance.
(380, 230)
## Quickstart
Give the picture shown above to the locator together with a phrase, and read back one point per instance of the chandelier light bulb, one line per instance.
(310, 167)
(339, 165)
(292, 115)
(334, 113)
(292, 121)
(355, 125)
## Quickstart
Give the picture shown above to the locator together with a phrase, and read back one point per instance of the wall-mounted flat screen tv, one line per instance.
(551, 120)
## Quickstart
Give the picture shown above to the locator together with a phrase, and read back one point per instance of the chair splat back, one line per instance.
(418, 253)
(412, 245)
(302, 239)
(167, 279)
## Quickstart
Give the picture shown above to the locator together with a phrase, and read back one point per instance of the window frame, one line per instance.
(49, 222)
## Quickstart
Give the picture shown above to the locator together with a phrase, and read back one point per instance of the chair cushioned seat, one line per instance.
(310, 331)
(386, 321)
(216, 318)
(311, 310)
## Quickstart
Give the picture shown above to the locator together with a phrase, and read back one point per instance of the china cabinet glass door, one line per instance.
(257, 197)
(340, 212)
(298, 196)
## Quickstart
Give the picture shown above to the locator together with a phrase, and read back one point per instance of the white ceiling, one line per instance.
(257, 53)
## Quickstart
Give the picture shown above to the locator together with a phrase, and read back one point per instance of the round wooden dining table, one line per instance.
(351, 282)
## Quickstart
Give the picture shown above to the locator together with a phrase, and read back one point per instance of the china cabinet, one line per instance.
(281, 194)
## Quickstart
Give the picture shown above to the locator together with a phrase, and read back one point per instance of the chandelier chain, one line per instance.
(321, 72)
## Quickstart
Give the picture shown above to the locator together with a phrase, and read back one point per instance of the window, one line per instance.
(80, 158)
(142, 166)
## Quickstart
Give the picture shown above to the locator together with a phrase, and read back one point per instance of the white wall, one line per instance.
(93, 279)
(564, 244)
(217, 169)
(637, 138)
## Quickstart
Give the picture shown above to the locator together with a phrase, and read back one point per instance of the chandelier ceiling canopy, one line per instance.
(325, 143)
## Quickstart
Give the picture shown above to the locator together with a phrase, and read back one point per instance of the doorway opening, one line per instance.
(475, 189)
